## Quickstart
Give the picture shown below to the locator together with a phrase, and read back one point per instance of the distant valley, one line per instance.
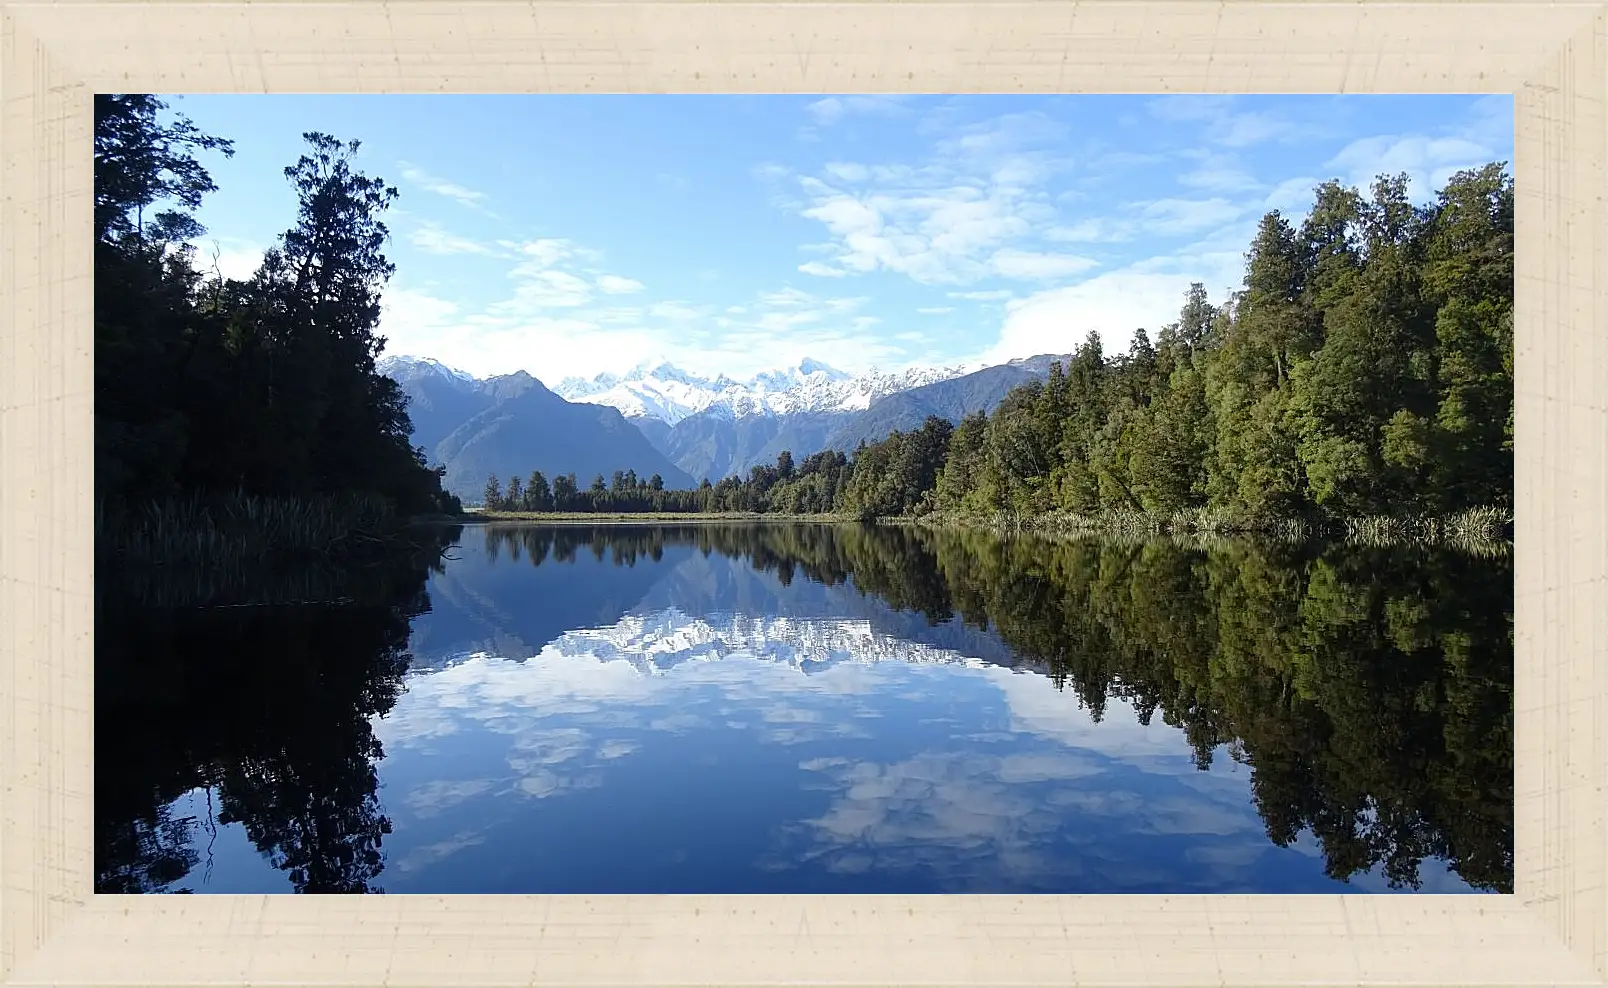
(684, 427)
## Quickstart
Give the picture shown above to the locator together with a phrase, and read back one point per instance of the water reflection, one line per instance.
(829, 709)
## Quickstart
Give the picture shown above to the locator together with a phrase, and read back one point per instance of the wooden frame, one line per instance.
(1553, 57)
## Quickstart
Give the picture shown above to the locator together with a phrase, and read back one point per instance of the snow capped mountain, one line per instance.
(402, 366)
(658, 389)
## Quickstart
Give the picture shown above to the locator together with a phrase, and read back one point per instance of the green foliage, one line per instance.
(266, 386)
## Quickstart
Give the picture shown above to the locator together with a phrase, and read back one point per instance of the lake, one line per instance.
(797, 708)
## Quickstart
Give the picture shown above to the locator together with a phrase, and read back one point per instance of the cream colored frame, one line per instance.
(1554, 930)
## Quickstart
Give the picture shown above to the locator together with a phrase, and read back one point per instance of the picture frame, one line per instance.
(1552, 57)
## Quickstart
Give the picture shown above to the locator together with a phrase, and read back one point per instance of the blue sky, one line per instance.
(574, 234)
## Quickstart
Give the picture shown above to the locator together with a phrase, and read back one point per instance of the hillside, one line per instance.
(512, 424)
(953, 399)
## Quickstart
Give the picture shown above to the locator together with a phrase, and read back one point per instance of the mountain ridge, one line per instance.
(511, 424)
(658, 389)
(716, 427)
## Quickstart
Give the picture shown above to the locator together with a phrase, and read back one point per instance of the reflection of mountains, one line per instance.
(658, 642)
(688, 607)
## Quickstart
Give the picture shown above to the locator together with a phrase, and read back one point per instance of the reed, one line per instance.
(240, 549)
(1482, 531)
(198, 529)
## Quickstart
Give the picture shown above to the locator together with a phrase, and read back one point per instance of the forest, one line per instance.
(1364, 369)
(242, 418)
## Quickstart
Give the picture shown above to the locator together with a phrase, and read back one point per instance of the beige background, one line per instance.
(53, 57)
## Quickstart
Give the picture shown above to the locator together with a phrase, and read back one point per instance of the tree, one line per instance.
(493, 493)
(140, 162)
(537, 495)
(564, 492)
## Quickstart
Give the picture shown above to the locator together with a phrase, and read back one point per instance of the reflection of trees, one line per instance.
(269, 708)
(1369, 690)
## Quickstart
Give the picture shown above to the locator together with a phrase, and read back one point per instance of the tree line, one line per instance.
(264, 387)
(816, 485)
(1365, 367)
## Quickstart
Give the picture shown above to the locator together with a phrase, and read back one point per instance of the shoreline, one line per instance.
(470, 517)
(1489, 527)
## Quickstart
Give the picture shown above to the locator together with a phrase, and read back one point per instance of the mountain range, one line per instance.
(660, 390)
(685, 427)
(512, 424)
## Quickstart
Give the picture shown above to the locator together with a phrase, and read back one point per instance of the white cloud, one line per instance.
(1034, 266)
(944, 220)
(432, 239)
(1098, 229)
(937, 310)
(1219, 122)
(847, 171)
(551, 250)
(541, 287)
(1291, 197)
(1147, 295)
(1219, 173)
(442, 187)
(1171, 217)
(820, 270)
(834, 108)
(551, 327)
(933, 236)
(993, 295)
(236, 260)
(1428, 161)
(413, 321)
(614, 284)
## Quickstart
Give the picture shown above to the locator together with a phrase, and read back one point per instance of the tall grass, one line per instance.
(1481, 530)
(238, 548)
(207, 530)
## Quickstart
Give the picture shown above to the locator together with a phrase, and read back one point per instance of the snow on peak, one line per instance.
(659, 389)
(407, 364)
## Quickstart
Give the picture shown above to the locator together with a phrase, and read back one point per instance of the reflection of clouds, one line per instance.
(532, 749)
(1038, 708)
(1055, 817)
(542, 783)
(429, 854)
(616, 749)
(1052, 820)
(950, 817)
(434, 797)
(558, 720)
(1003, 783)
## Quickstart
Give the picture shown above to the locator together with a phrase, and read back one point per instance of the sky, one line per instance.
(579, 234)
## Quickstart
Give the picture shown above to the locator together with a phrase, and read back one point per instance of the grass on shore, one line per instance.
(201, 549)
(639, 517)
(1478, 529)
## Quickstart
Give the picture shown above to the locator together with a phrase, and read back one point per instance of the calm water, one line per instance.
(782, 708)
